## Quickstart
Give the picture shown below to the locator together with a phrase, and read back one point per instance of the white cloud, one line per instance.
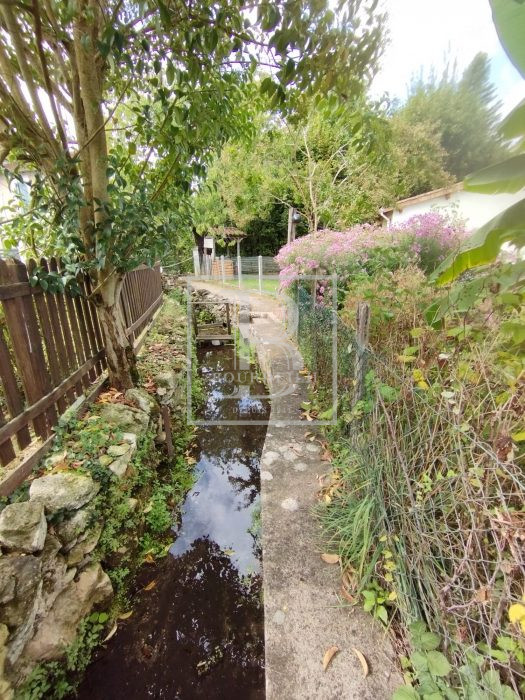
(426, 34)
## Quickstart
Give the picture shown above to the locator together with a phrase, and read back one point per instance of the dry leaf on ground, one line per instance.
(330, 558)
(125, 615)
(362, 661)
(150, 585)
(328, 656)
(110, 634)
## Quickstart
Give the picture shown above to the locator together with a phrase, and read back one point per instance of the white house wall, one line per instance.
(476, 209)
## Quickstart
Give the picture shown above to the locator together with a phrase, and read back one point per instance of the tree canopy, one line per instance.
(119, 105)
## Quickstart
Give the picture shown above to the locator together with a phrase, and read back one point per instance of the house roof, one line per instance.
(424, 197)
(228, 233)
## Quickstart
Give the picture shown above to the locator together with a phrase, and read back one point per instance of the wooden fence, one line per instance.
(51, 353)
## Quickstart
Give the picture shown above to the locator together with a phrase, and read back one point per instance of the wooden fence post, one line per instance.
(223, 273)
(260, 268)
(361, 359)
(239, 270)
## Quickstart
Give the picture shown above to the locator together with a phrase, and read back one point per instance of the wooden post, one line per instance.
(223, 274)
(290, 224)
(166, 419)
(239, 270)
(260, 266)
(196, 262)
(228, 322)
(361, 360)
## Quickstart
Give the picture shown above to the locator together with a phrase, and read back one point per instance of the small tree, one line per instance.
(169, 76)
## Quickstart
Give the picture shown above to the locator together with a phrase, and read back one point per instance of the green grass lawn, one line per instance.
(269, 285)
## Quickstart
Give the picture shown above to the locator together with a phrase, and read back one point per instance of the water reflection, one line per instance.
(198, 633)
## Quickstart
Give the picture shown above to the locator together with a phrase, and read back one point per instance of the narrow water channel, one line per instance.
(199, 632)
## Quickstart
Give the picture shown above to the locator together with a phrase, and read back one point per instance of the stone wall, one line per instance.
(50, 575)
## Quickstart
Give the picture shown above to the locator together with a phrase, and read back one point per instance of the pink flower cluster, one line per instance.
(432, 226)
(327, 251)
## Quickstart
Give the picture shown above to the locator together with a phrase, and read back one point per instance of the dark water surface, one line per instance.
(199, 632)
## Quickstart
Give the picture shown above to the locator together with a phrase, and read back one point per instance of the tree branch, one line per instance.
(47, 78)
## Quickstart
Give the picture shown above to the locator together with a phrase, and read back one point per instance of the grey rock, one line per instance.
(127, 418)
(23, 527)
(65, 490)
(71, 528)
(55, 459)
(55, 574)
(166, 380)
(118, 450)
(20, 576)
(270, 457)
(290, 504)
(58, 629)
(84, 546)
(142, 400)
(315, 449)
(6, 691)
(120, 465)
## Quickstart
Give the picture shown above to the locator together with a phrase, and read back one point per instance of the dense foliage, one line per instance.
(118, 107)
(339, 164)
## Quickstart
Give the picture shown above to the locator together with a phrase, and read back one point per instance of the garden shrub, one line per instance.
(423, 240)
(425, 501)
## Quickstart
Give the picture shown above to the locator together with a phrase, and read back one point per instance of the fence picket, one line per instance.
(51, 350)
(25, 336)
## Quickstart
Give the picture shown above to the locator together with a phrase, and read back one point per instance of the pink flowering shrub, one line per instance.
(424, 240)
(433, 237)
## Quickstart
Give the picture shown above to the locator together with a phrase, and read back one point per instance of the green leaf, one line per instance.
(382, 614)
(515, 329)
(419, 661)
(509, 19)
(429, 641)
(406, 692)
(485, 244)
(513, 126)
(438, 664)
(507, 176)
(170, 73)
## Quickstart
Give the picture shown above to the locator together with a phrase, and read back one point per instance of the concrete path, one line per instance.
(304, 615)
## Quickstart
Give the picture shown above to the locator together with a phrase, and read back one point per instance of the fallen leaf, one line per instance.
(362, 661)
(149, 559)
(481, 595)
(328, 656)
(347, 596)
(330, 558)
(229, 552)
(150, 585)
(110, 634)
(191, 460)
(304, 372)
(125, 615)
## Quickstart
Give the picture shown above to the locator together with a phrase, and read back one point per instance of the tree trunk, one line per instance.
(119, 351)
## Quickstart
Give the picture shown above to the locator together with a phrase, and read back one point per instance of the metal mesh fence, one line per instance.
(428, 507)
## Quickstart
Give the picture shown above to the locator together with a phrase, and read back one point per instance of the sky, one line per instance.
(430, 33)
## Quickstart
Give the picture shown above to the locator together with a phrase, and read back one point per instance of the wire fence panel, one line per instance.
(425, 508)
